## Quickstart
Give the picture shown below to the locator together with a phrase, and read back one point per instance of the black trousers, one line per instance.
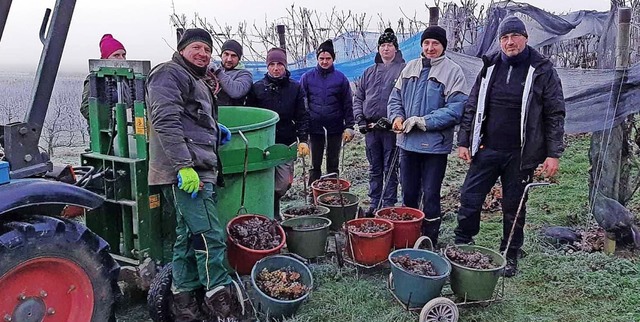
(317, 147)
(486, 167)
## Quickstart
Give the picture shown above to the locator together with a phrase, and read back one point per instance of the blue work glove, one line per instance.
(189, 181)
(225, 134)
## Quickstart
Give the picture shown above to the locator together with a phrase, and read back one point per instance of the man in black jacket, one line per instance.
(283, 95)
(184, 136)
(513, 121)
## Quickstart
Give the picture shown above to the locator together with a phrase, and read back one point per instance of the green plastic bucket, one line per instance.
(336, 213)
(275, 308)
(306, 242)
(319, 211)
(476, 284)
(416, 290)
(259, 127)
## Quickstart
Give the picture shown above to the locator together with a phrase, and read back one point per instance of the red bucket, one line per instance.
(405, 232)
(317, 191)
(369, 248)
(242, 258)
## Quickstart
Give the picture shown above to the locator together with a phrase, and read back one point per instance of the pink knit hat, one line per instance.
(108, 45)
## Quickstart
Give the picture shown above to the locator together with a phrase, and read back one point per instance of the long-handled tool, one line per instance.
(515, 220)
(392, 169)
(242, 208)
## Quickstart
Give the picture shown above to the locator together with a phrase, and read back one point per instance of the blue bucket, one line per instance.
(275, 308)
(416, 290)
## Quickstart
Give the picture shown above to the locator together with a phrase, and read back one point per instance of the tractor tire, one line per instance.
(159, 298)
(55, 269)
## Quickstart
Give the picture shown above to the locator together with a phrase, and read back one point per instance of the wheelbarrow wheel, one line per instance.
(160, 298)
(440, 309)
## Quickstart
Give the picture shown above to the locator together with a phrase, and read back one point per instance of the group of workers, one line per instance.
(510, 122)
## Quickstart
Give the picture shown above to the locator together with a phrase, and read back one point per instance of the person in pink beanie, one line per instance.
(111, 48)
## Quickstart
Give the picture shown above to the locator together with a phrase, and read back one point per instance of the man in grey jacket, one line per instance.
(513, 121)
(184, 136)
(369, 107)
(234, 81)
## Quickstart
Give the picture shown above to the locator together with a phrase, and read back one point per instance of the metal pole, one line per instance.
(434, 16)
(280, 29)
(5, 5)
(49, 63)
(622, 64)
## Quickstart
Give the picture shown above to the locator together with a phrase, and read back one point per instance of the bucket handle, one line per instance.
(242, 208)
(418, 243)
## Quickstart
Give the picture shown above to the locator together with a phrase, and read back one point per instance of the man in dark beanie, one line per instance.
(283, 95)
(326, 47)
(425, 105)
(513, 121)
(177, 98)
(330, 106)
(437, 33)
(235, 81)
(369, 109)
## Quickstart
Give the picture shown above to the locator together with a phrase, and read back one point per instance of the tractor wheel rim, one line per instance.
(58, 285)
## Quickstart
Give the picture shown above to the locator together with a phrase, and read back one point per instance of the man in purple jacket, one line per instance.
(330, 106)
(369, 106)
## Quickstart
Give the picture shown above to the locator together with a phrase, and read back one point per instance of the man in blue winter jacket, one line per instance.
(425, 105)
(330, 105)
(369, 107)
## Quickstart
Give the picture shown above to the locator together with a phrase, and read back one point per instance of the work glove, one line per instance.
(347, 135)
(303, 149)
(225, 134)
(417, 121)
(188, 181)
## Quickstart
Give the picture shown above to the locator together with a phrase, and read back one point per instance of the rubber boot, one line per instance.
(431, 229)
(276, 206)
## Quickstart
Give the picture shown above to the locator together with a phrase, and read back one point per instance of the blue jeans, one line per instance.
(487, 165)
(422, 174)
(381, 147)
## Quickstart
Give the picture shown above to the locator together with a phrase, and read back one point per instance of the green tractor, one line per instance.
(55, 268)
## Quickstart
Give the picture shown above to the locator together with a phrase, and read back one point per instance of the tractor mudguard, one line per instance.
(37, 192)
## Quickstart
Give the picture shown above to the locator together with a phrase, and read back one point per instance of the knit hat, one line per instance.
(512, 24)
(192, 35)
(437, 33)
(277, 55)
(388, 36)
(326, 46)
(108, 45)
(233, 46)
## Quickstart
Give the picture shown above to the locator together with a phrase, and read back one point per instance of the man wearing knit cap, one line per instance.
(235, 81)
(110, 48)
(513, 121)
(369, 108)
(184, 138)
(426, 104)
(330, 104)
(283, 95)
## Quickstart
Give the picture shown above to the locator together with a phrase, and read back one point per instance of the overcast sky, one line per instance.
(143, 26)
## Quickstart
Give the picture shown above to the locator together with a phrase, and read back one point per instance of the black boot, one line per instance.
(186, 307)
(431, 229)
(512, 267)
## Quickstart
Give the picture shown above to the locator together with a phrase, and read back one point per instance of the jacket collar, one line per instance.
(323, 71)
(539, 62)
(191, 68)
